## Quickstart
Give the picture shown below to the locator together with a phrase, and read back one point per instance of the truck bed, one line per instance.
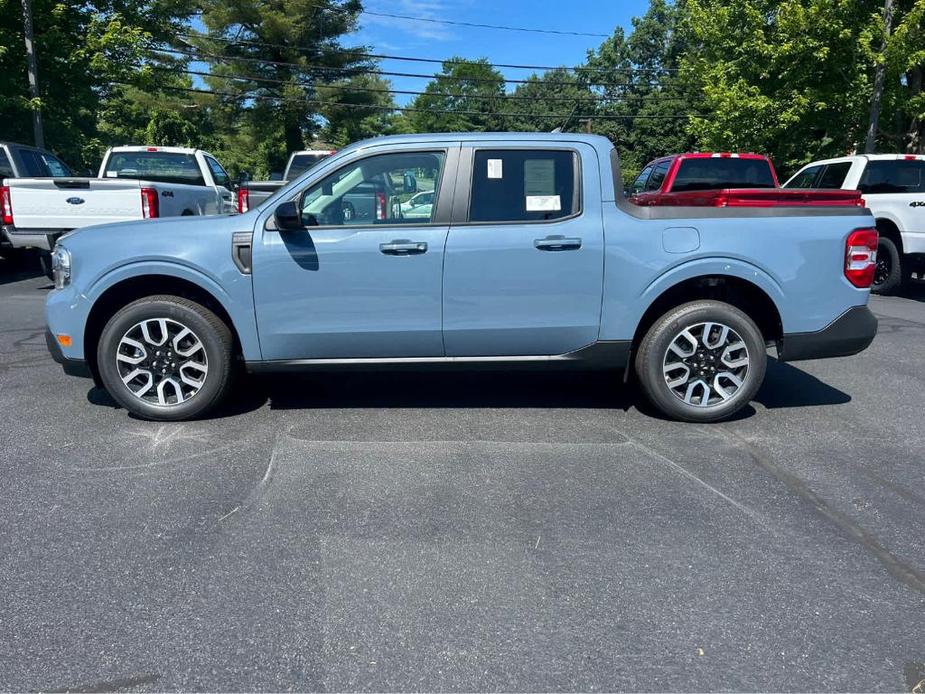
(64, 203)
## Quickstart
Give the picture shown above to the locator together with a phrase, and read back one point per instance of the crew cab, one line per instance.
(893, 186)
(133, 183)
(531, 257)
(252, 193)
(725, 180)
(18, 161)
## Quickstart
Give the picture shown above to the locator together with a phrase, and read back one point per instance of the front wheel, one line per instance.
(702, 361)
(166, 358)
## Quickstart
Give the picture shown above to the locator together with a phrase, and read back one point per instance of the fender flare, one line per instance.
(710, 267)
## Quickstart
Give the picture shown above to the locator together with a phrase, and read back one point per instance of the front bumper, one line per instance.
(850, 333)
(72, 367)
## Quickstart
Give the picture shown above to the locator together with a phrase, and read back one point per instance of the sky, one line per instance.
(388, 35)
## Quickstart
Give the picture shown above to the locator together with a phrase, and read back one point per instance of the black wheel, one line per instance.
(888, 275)
(701, 362)
(166, 358)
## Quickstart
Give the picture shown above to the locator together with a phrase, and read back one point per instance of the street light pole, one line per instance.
(37, 128)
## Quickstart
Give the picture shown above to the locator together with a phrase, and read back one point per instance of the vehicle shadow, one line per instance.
(19, 267)
(913, 289)
(785, 386)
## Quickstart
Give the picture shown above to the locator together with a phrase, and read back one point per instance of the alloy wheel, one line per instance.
(705, 364)
(162, 362)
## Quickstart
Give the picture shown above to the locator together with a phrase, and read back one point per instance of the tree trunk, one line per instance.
(879, 77)
(915, 135)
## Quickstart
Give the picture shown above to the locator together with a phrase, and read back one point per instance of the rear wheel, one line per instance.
(166, 358)
(702, 361)
(888, 275)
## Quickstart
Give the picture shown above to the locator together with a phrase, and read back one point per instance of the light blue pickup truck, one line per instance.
(531, 256)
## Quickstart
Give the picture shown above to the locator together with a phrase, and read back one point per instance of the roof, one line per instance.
(596, 141)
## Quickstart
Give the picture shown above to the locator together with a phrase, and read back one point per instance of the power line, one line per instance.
(417, 59)
(381, 90)
(367, 71)
(404, 109)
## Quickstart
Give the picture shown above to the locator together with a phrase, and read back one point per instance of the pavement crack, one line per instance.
(899, 569)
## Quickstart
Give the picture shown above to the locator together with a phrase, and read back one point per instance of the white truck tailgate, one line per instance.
(46, 203)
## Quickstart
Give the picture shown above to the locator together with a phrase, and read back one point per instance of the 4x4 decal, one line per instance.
(917, 203)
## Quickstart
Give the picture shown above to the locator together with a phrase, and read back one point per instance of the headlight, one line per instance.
(61, 266)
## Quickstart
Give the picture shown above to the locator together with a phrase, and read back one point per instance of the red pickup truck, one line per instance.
(707, 179)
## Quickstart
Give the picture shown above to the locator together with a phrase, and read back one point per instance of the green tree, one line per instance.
(905, 64)
(793, 78)
(559, 93)
(648, 102)
(356, 109)
(278, 53)
(467, 95)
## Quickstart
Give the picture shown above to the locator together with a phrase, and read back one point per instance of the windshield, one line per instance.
(708, 174)
(164, 167)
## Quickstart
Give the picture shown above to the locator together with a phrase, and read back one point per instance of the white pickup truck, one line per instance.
(893, 186)
(133, 183)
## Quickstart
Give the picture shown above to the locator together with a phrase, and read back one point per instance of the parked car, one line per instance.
(420, 206)
(133, 183)
(252, 193)
(531, 256)
(893, 186)
(19, 161)
(707, 179)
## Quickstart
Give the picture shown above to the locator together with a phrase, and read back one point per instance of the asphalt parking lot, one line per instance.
(440, 531)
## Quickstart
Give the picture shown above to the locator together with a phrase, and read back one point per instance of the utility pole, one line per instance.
(879, 77)
(37, 129)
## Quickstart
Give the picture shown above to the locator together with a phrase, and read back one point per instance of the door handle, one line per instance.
(557, 243)
(403, 247)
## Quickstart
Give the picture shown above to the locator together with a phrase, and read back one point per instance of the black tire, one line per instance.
(216, 342)
(888, 276)
(654, 351)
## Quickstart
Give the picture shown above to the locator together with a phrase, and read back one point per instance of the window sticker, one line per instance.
(495, 168)
(544, 203)
(539, 177)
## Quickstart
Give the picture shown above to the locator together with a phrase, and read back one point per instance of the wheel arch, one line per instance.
(889, 229)
(125, 291)
(745, 295)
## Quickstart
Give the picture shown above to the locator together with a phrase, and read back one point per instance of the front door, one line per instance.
(361, 280)
(524, 268)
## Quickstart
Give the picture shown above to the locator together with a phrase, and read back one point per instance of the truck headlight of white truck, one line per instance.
(61, 266)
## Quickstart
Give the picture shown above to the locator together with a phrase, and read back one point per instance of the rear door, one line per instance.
(523, 273)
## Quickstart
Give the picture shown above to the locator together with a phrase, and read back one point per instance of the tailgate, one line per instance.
(71, 203)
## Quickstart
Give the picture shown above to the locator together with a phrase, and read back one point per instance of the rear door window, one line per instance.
(722, 172)
(805, 179)
(834, 175)
(657, 177)
(524, 185)
(893, 176)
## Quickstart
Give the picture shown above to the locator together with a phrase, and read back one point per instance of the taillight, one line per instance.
(6, 205)
(149, 203)
(861, 257)
(380, 206)
(244, 200)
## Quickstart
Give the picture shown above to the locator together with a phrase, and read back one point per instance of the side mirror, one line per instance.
(288, 217)
(410, 183)
(243, 177)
